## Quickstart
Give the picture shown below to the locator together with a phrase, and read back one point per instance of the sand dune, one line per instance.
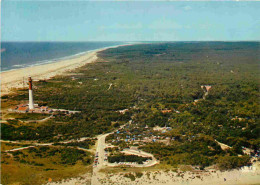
(233, 177)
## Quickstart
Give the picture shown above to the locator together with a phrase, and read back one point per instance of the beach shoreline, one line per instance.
(17, 78)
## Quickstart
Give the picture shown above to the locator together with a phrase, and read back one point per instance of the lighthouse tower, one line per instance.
(31, 104)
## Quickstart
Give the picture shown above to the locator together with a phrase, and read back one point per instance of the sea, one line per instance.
(16, 55)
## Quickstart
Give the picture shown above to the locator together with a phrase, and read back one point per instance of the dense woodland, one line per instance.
(149, 78)
(67, 156)
(127, 158)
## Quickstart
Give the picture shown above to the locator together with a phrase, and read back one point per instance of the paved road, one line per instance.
(101, 154)
(21, 148)
(26, 147)
(38, 121)
(101, 145)
(39, 144)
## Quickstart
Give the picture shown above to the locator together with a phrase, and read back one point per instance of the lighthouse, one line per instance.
(31, 104)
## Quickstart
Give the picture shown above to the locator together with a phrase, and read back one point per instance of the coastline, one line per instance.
(13, 79)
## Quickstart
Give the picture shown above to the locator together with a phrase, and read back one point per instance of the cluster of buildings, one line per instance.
(138, 135)
(35, 108)
(24, 108)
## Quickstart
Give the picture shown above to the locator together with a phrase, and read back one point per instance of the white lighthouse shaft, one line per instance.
(31, 103)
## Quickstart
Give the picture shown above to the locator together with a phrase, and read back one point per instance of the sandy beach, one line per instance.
(14, 78)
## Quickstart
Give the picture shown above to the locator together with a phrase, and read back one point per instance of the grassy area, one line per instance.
(25, 116)
(37, 165)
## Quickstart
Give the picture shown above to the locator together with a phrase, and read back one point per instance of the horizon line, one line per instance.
(145, 41)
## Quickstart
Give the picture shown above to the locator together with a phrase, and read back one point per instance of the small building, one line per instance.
(44, 108)
(22, 109)
(166, 111)
(123, 111)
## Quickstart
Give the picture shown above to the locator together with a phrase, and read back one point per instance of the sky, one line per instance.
(129, 21)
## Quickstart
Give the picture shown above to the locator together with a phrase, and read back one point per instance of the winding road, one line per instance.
(100, 154)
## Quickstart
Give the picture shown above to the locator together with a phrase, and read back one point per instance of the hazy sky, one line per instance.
(129, 21)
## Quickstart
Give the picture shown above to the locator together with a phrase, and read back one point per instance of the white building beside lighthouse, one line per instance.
(31, 103)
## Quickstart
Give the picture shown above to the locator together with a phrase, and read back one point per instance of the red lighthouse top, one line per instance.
(30, 83)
